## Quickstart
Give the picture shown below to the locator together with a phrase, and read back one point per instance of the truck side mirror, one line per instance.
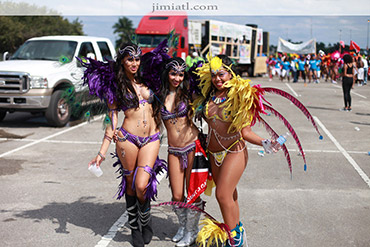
(6, 56)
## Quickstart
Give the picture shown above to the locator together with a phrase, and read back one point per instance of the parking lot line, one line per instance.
(351, 92)
(50, 141)
(344, 152)
(250, 146)
(119, 224)
(43, 139)
(291, 89)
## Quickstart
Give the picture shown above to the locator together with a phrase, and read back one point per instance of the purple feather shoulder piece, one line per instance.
(152, 65)
(100, 78)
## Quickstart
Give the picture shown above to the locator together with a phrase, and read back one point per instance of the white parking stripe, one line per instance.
(291, 89)
(351, 92)
(344, 152)
(43, 139)
(50, 141)
(250, 146)
(105, 240)
(119, 224)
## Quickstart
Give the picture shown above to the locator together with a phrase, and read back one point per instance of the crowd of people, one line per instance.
(155, 90)
(315, 67)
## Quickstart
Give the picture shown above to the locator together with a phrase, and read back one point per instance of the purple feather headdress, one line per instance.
(152, 64)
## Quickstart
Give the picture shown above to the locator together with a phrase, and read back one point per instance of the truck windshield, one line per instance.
(150, 40)
(54, 50)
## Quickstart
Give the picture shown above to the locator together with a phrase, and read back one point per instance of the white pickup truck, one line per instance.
(37, 74)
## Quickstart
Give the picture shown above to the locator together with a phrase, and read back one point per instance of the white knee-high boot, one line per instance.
(191, 228)
(181, 215)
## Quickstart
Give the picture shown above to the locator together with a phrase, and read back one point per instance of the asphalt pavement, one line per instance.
(48, 197)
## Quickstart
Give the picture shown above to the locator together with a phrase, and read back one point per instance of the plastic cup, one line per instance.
(95, 170)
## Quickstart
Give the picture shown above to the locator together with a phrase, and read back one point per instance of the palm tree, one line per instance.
(124, 28)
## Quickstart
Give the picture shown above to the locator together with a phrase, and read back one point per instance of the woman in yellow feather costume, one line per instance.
(228, 104)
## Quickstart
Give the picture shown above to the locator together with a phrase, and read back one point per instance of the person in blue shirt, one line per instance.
(285, 68)
(312, 69)
(301, 64)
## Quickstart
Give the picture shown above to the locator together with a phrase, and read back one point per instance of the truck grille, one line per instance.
(14, 82)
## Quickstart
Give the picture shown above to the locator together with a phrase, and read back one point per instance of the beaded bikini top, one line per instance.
(225, 115)
(182, 111)
(142, 101)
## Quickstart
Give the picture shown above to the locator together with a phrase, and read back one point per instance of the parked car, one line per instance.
(37, 75)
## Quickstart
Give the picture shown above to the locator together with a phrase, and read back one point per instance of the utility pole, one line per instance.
(367, 44)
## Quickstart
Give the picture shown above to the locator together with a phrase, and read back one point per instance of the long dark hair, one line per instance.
(181, 90)
(126, 94)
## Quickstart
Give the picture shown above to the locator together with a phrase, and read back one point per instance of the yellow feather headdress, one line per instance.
(242, 99)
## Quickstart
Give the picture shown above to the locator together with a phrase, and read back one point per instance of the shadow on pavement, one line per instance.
(323, 108)
(98, 217)
(359, 123)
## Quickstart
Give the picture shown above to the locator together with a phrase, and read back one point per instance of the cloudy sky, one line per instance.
(298, 20)
(327, 29)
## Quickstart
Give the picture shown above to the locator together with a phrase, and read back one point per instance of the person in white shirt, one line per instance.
(366, 69)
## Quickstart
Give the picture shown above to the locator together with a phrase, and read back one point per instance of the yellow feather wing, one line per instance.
(241, 102)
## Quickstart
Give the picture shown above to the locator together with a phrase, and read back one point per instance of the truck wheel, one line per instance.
(59, 111)
(2, 115)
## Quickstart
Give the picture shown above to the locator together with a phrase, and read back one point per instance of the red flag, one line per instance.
(342, 43)
(199, 174)
(354, 46)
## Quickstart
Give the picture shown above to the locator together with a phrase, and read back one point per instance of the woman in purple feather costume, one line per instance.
(183, 144)
(138, 138)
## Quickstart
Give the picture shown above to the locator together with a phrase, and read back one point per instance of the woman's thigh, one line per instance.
(176, 176)
(127, 153)
(229, 173)
(147, 156)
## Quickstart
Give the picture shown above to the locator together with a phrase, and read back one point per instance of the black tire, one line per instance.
(59, 110)
(2, 115)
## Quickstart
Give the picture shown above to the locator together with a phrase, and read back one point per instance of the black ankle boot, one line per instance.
(133, 221)
(146, 221)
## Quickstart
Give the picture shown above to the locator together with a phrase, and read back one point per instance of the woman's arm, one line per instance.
(108, 135)
(251, 137)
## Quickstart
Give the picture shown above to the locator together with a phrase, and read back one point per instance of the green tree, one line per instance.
(124, 29)
(15, 30)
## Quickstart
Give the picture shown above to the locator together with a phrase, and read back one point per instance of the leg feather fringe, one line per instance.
(213, 233)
